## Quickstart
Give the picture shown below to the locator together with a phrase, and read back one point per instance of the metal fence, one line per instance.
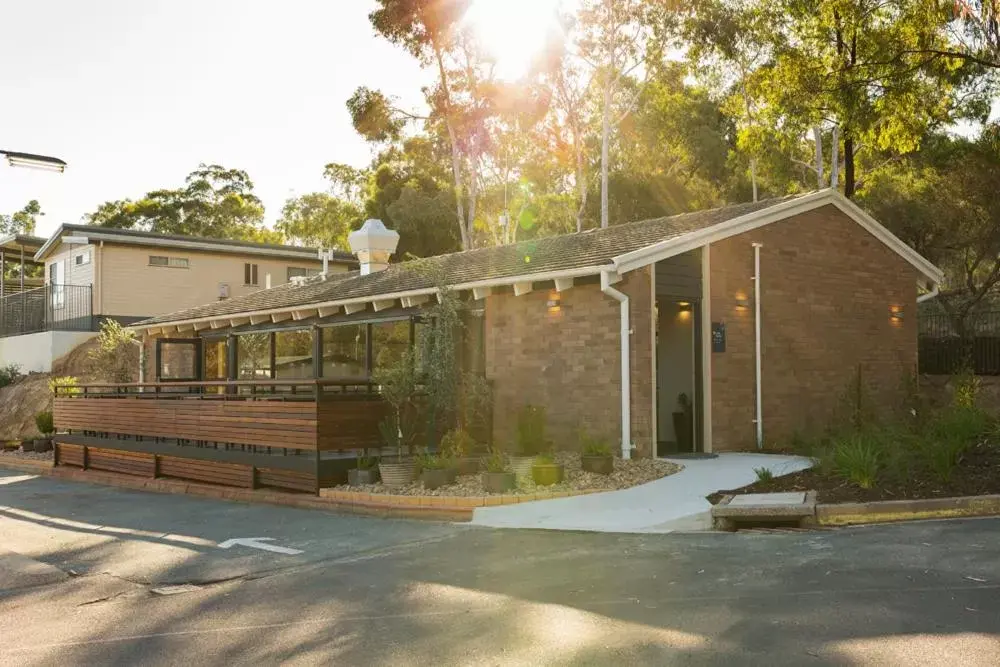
(945, 350)
(49, 308)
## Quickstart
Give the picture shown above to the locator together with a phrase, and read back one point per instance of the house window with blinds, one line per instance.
(250, 274)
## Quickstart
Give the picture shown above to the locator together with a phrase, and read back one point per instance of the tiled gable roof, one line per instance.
(591, 248)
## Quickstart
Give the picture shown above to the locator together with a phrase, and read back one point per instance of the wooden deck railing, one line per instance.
(315, 415)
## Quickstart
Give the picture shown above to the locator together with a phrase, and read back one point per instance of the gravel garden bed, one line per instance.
(20, 454)
(626, 474)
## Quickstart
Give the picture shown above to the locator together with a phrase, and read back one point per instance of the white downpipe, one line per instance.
(622, 299)
(759, 416)
(930, 295)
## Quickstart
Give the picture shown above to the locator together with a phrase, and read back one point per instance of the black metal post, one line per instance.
(317, 352)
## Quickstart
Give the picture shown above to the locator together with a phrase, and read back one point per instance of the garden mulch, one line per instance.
(977, 474)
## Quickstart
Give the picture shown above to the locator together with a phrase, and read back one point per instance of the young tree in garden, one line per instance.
(318, 219)
(621, 40)
(215, 202)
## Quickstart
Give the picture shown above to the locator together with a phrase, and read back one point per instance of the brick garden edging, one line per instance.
(440, 508)
(846, 514)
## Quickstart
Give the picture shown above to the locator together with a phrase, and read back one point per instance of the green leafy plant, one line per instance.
(546, 459)
(389, 430)
(366, 462)
(68, 386)
(44, 422)
(456, 443)
(857, 459)
(763, 474)
(947, 436)
(431, 461)
(398, 386)
(9, 374)
(967, 387)
(495, 461)
(116, 357)
(531, 430)
(594, 446)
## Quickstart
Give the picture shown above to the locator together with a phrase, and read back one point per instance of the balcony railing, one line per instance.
(48, 308)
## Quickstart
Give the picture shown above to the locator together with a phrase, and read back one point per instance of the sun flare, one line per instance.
(513, 31)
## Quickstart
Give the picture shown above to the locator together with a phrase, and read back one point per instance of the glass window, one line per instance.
(249, 274)
(83, 258)
(178, 262)
(344, 351)
(389, 342)
(293, 354)
(159, 260)
(254, 356)
(214, 359)
(178, 360)
(300, 272)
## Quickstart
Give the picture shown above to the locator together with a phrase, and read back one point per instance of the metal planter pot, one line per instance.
(602, 465)
(435, 479)
(359, 477)
(547, 474)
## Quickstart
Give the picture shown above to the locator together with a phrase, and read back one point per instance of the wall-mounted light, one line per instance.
(684, 306)
(896, 313)
(554, 304)
(742, 302)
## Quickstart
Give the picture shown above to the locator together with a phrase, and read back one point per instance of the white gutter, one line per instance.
(759, 416)
(626, 357)
(427, 291)
(930, 295)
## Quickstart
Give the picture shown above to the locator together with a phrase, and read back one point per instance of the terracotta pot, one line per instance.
(397, 473)
(547, 474)
(468, 466)
(498, 482)
(438, 477)
(359, 477)
(602, 465)
(521, 465)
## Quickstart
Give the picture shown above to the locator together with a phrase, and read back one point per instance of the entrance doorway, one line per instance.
(678, 341)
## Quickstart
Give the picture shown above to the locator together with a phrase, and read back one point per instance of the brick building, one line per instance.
(741, 326)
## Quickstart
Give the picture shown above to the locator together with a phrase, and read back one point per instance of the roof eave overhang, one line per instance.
(672, 247)
(578, 272)
(100, 234)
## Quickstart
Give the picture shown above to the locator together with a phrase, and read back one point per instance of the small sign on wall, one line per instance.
(718, 336)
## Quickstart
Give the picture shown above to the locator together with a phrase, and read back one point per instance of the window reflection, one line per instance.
(344, 351)
(254, 356)
(293, 354)
(390, 341)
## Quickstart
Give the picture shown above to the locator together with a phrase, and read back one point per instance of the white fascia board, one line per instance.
(219, 324)
(480, 293)
(238, 321)
(356, 305)
(304, 314)
(327, 311)
(280, 317)
(383, 304)
(745, 223)
(198, 326)
(413, 301)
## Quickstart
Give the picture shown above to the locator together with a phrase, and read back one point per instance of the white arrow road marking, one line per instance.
(258, 543)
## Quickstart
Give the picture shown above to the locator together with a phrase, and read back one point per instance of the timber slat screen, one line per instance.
(234, 433)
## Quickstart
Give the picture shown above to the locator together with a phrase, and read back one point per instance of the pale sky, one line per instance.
(134, 94)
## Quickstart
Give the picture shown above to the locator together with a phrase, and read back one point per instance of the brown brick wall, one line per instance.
(568, 361)
(827, 289)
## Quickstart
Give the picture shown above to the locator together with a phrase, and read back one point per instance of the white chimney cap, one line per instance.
(373, 237)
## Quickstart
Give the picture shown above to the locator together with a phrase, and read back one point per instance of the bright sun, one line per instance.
(513, 31)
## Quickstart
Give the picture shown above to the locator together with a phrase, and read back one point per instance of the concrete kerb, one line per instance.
(727, 516)
(846, 514)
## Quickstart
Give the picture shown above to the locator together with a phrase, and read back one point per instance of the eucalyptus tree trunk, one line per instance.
(818, 138)
(605, 140)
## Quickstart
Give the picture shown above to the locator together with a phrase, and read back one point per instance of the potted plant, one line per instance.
(28, 445)
(596, 456)
(546, 471)
(46, 426)
(683, 424)
(366, 471)
(530, 440)
(436, 471)
(396, 470)
(11, 445)
(398, 386)
(497, 479)
(457, 445)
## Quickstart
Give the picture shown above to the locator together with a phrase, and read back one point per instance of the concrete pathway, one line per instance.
(673, 503)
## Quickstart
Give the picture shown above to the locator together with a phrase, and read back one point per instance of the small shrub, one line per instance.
(495, 462)
(594, 446)
(68, 385)
(531, 430)
(947, 436)
(43, 420)
(431, 461)
(456, 444)
(763, 474)
(116, 357)
(389, 430)
(366, 462)
(857, 458)
(9, 374)
(967, 386)
(545, 460)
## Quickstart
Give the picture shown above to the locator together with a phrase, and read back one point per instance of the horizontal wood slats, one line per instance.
(213, 472)
(286, 479)
(350, 424)
(128, 463)
(69, 455)
(290, 424)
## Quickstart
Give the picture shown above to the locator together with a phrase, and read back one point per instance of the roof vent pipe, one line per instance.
(373, 244)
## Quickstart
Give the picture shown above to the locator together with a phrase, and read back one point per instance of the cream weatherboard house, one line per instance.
(96, 273)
